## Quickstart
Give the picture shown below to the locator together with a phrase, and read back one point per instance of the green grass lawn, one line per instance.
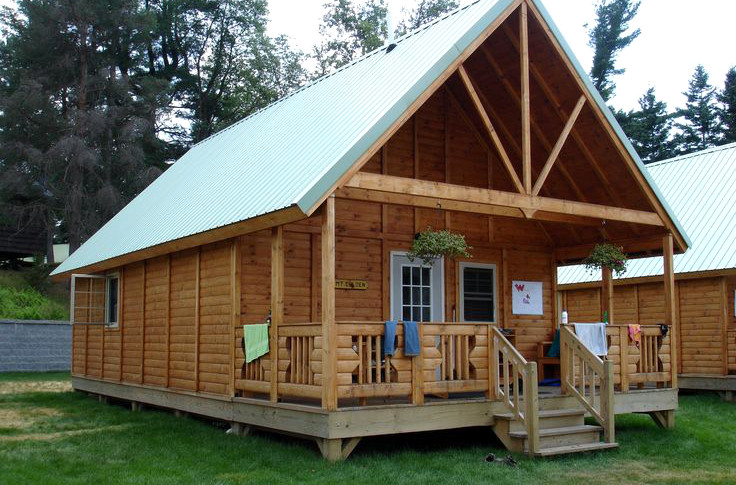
(49, 434)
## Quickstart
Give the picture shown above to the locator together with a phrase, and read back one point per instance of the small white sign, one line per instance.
(526, 298)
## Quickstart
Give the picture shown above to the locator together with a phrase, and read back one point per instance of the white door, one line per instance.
(417, 290)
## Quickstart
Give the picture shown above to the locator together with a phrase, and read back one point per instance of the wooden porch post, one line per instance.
(277, 304)
(329, 326)
(670, 303)
(607, 294)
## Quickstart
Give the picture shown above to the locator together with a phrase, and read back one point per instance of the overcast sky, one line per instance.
(676, 36)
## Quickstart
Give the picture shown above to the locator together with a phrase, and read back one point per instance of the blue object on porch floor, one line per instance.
(550, 382)
(411, 339)
(389, 338)
(554, 349)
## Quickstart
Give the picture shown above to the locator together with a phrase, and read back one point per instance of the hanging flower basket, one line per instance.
(606, 256)
(430, 245)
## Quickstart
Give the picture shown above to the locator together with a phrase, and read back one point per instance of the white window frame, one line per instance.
(461, 279)
(106, 277)
(439, 265)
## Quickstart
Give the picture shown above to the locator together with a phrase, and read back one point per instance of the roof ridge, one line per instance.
(678, 158)
(342, 68)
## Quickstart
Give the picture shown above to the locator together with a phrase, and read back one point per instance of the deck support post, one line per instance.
(336, 449)
(607, 294)
(670, 304)
(239, 429)
(664, 419)
(329, 326)
(277, 304)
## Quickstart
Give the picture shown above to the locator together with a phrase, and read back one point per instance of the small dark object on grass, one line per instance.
(509, 460)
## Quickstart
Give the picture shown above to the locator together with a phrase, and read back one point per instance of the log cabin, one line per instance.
(699, 186)
(481, 122)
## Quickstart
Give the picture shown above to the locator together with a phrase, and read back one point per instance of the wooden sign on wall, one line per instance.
(351, 284)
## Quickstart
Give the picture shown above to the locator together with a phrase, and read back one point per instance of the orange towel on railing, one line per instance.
(635, 333)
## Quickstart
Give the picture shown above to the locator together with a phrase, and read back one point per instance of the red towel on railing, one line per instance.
(635, 333)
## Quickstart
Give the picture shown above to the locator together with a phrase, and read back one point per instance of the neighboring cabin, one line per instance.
(481, 122)
(701, 190)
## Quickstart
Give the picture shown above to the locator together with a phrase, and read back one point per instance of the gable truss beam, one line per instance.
(526, 135)
(558, 146)
(533, 204)
(489, 127)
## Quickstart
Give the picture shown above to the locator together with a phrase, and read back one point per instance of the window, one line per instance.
(112, 284)
(477, 292)
(416, 288)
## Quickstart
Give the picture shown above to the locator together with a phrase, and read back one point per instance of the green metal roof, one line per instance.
(292, 152)
(700, 187)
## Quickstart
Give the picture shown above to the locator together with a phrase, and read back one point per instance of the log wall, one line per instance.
(707, 343)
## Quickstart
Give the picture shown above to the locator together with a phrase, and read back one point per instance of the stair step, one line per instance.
(559, 431)
(552, 413)
(581, 448)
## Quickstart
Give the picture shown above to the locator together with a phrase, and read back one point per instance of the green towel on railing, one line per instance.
(256, 341)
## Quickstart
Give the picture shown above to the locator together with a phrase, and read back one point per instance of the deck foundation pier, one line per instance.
(239, 429)
(336, 449)
(664, 419)
(136, 406)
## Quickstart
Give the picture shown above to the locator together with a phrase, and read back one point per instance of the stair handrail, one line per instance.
(508, 393)
(571, 347)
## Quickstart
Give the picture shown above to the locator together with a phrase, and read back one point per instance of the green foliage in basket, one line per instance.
(606, 255)
(429, 245)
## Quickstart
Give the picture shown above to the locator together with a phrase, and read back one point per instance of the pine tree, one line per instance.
(649, 129)
(727, 110)
(607, 39)
(699, 129)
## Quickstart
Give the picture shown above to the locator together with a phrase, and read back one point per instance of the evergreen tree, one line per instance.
(425, 12)
(727, 110)
(350, 31)
(699, 129)
(608, 38)
(649, 129)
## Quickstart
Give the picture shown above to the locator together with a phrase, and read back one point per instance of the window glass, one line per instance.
(112, 299)
(478, 297)
(416, 283)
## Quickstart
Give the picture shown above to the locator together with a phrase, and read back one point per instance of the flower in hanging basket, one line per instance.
(430, 245)
(606, 256)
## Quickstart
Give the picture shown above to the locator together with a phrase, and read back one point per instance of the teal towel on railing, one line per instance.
(256, 341)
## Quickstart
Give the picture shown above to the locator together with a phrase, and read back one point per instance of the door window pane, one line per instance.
(416, 293)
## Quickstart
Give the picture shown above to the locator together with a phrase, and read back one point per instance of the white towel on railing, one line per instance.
(593, 336)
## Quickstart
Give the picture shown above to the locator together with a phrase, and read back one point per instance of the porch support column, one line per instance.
(607, 294)
(277, 304)
(670, 304)
(329, 326)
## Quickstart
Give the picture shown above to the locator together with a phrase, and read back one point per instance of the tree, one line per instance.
(350, 31)
(76, 137)
(608, 38)
(727, 110)
(700, 127)
(425, 12)
(649, 129)
(221, 64)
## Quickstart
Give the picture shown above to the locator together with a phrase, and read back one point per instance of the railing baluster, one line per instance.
(369, 357)
(443, 357)
(506, 376)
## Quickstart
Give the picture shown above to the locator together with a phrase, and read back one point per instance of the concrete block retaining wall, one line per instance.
(35, 345)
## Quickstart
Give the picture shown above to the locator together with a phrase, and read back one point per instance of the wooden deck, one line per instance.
(467, 375)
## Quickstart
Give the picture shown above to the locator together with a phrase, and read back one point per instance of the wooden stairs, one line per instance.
(561, 432)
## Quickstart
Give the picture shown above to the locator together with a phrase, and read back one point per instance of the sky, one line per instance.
(676, 36)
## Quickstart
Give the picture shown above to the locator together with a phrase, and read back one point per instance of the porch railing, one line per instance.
(589, 379)
(647, 362)
(514, 381)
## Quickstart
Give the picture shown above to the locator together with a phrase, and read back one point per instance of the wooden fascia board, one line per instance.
(458, 193)
(265, 221)
(416, 104)
(631, 164)
(693, 275)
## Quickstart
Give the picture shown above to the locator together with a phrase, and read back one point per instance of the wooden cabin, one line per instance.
(699, 186)
(481, 122)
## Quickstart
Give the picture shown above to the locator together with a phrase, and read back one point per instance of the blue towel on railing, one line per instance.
(412, 345)
(389, 338)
